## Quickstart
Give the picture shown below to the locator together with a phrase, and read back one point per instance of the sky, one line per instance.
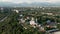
(30, 1)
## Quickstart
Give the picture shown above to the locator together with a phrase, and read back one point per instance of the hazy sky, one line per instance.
(29, 1)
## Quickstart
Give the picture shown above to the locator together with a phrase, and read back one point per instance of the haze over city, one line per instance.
(30, 1)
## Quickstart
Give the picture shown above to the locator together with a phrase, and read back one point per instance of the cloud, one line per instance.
(29, 1)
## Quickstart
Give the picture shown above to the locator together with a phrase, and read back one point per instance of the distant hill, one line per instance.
(9, 4)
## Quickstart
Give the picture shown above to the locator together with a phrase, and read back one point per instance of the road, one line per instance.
(3, 19)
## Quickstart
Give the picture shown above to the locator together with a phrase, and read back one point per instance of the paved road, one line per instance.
(57, 32)
(3, 19)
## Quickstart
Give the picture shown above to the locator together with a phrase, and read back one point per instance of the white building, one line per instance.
(22, 21)
(32, 22)
(17, 11)
(47, 13)
(21, 15)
